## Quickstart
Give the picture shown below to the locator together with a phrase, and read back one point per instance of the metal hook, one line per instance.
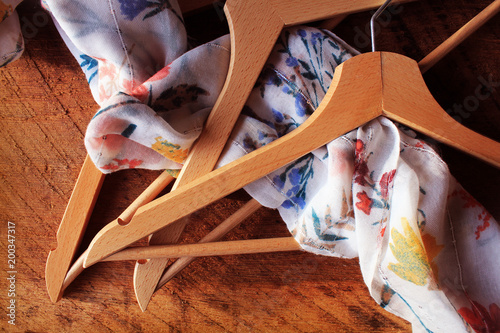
(373, 19)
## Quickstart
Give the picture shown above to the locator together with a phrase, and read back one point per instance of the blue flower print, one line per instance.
(315, 37)
(294, 201)
(268, 77)
(279, 181)
(300, 105)
(263, 138)
(278, 116)
(291, 62)
(287, 90)
(131, 8)
(302, 33)
(295, 179)
(294, 176)
(271, 77)
(89, 66)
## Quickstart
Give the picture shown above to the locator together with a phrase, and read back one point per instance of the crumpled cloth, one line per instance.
(11, 37)
(427, 249)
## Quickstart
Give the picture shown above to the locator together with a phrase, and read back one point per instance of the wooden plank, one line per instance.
(45, 106)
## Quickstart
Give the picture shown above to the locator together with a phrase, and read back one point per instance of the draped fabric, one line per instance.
(427, 249)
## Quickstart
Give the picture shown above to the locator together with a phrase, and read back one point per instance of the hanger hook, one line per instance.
(373, 19)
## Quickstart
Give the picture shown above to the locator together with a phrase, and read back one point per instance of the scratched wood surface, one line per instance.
(45, 105)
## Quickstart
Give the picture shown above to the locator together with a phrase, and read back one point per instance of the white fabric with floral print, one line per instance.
(379, 193)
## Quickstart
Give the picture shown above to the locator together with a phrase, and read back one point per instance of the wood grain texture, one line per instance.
(45, 107)
(210, 249)
(358, 102)
(296, 12)
(254, 26)
(152, 191)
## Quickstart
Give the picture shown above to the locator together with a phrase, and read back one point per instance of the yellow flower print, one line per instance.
(432, 249)
(170, 150)
(173, 173)
(413, 259)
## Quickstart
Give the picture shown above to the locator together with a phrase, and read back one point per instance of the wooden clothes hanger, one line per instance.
(273, 16)
(363, 88)
(255, 25)
(261, 245)
(425, 64)
(441, 50)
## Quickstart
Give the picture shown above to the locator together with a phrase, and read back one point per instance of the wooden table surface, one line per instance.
(45, 105)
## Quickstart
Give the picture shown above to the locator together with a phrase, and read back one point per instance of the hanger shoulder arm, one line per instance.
(406, 99)
(339, 112)
(249, 51)
(197, 194)
(298, 11)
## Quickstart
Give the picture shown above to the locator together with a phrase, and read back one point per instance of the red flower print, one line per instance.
(129, 85)
(141, 92)
(361, 172)
(110, 166)
(134, 163)
(485, 225)
(119, 164)
(162, 73)
(107, 69)
(361, 169)
(385, 183)
(381, 231)
(365, 203)
(420, 144)
(470, 202)
(360, 146)
(103, 94)
(480, 319)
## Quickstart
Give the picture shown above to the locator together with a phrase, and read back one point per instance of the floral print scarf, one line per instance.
(380, 193)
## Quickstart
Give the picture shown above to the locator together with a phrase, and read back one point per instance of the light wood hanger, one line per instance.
(80, 206)
(187, 253)
(435, 56)
(425, 64)
(206, 249)
(363, 88)
(215, 235)
(415, 107)
(249, 52)
(145, 275)
(72, 227)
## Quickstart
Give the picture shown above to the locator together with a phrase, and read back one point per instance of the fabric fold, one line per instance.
(11, 37)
